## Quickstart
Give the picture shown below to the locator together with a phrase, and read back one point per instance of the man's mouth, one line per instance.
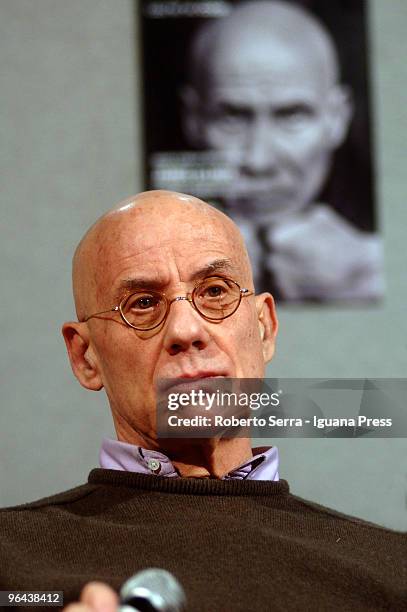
(186, 382)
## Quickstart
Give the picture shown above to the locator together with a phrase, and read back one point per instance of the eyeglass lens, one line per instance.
(214, 298)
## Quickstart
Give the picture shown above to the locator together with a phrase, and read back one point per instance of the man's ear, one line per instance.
(191, 115)
(268, 324)
(340, 112)
(83, 362)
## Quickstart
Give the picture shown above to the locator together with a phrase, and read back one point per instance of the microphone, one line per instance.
(152, 590)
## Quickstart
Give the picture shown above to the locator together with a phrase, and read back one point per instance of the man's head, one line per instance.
(263, 88)
(164, 242)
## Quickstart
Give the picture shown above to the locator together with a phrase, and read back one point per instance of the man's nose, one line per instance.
(185, 329)
(259, 156)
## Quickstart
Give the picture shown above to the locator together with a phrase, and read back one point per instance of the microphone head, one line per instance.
(153, 590)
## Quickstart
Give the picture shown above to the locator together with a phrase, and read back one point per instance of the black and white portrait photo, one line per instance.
(262, 107)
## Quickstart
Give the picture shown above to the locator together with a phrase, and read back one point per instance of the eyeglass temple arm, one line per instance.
(95, 314)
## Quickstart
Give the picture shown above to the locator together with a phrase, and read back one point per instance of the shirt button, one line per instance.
(154, 465)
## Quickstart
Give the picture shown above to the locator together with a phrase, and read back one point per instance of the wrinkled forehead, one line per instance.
(269, 60)
(159, 241)
(141, 230)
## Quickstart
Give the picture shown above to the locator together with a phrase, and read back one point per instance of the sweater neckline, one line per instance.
(191, 486)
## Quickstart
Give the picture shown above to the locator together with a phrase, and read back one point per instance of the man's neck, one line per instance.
(197, 458)
(210, 458)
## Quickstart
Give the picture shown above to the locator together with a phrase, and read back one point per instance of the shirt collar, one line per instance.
(116, 455)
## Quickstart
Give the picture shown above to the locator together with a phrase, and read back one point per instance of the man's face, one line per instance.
(168, 251)
(269, 109)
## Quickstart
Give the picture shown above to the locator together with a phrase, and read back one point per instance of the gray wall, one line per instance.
(70, 149)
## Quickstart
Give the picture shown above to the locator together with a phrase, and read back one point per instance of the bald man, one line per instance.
(264, 93)
(164, 292)
(180, 240)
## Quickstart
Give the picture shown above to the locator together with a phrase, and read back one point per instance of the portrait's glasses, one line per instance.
(214, 298)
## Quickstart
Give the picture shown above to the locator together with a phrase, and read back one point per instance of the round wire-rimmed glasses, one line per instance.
(215, 298)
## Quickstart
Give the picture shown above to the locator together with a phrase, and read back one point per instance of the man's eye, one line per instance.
(145, 302)
(294, 115)
(214, 291)
(231, 118)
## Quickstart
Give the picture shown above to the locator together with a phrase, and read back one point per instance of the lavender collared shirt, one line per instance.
(116, 455)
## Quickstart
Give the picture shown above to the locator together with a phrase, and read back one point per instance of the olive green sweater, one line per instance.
(234, 545)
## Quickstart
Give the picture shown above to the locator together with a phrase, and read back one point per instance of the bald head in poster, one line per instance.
(264, 88)
(264, 92)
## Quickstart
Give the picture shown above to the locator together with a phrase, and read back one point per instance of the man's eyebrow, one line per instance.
(133, 284)
(214, 267)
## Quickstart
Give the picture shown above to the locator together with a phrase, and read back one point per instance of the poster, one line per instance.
(263, 109)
